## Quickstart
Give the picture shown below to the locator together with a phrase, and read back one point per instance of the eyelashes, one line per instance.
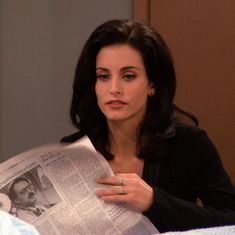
(126, 77)
(102, 77)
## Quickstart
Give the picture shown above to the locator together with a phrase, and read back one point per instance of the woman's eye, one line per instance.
(129, 77)
(102, 77)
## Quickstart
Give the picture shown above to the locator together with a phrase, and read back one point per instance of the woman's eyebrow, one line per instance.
(122, 69)
(129, 67)
(101, 68)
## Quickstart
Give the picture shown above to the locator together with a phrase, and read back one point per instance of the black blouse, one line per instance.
(189, 171)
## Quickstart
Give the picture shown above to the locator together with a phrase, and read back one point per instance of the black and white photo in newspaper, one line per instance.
(53, 187)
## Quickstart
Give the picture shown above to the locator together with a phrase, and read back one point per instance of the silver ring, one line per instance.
(123, 192)
(121, 181)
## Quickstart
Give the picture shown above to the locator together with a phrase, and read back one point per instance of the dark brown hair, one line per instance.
(158, 123)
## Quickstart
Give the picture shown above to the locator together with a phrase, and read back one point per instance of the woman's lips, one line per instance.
(115, 104)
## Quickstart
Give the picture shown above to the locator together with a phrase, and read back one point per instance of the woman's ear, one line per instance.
(151, 91)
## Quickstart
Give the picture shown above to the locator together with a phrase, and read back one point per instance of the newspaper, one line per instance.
(60, 180)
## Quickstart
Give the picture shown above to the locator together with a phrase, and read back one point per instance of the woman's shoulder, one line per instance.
(187, 132)
(194, 141)
(182, 128)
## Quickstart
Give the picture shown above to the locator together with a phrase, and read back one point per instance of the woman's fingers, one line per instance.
(129, 188)
(112, 180)
(115, 190)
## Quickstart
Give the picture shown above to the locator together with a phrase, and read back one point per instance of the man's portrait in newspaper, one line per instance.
(31, 194)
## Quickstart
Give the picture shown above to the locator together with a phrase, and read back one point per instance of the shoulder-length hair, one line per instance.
(85, 113)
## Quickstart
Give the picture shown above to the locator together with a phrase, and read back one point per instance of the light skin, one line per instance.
(122, 90)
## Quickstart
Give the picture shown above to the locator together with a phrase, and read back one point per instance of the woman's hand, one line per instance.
(129, 188)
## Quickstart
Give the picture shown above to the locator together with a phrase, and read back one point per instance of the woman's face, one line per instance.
(122, 86)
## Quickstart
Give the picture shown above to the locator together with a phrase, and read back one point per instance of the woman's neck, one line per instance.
(122, 138)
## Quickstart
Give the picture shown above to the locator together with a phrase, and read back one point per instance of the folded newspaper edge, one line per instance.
(61, 181)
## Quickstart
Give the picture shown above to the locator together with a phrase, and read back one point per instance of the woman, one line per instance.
(123, 101)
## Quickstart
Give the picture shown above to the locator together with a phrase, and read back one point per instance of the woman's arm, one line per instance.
(170, 213)
(197, 163)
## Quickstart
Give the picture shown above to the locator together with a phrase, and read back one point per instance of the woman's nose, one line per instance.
(115, 87)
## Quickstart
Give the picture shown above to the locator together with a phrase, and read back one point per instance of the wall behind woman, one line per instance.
(39, 46)
(201, 37)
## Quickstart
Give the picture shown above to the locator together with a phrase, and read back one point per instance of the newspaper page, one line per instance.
(53, 187)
